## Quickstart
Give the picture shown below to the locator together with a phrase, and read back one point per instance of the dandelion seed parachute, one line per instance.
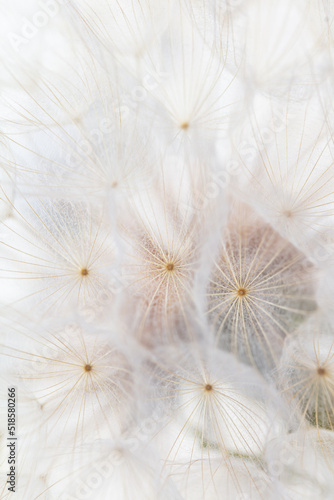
(162, 240)
(83, 380)
(279, 46)
(197, 98)
(98, 149)
(261, 287)
(124, 467)
(39, 63)
(55, 255)
(212, 480)
(306, 376)
(21, 63)
(212, 408)
(125, 29)
(288, 162)
(103, 155)
(220, 23)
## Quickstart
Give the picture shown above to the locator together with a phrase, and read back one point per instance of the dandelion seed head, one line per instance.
(166, 211)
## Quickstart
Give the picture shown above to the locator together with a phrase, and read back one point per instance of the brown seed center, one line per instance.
(170, 266)
(241, 292)
(208, 387)
(84, 272)
(184, 125)
(88, 368)
(321, 371)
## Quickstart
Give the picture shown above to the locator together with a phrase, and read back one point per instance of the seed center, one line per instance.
(84, 272)
(88, 368)
(208, 387)
(288, 213)
(321, 371)
(170, 266)
(241, 292)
